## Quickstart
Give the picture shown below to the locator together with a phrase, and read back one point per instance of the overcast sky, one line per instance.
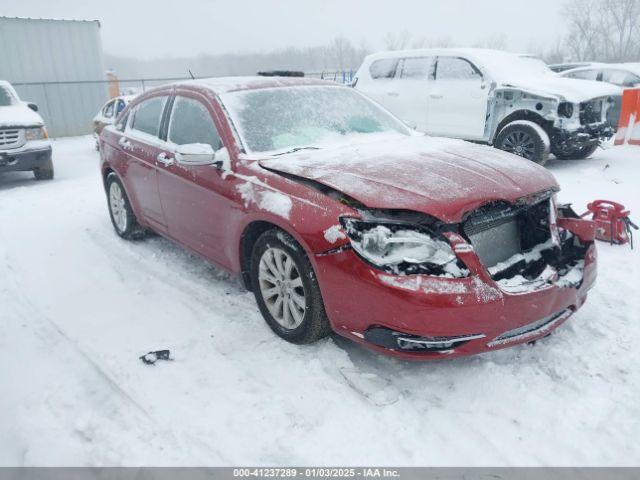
(152, 29)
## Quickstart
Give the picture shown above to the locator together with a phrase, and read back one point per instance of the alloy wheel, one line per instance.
(520, 143)
(281, 288)
(117, 205)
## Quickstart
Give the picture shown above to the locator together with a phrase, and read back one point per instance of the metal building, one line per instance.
(58, 65)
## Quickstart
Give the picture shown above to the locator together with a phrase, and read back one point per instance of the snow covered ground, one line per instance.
(78, 305)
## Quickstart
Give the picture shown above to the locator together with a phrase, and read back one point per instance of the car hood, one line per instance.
(19, 116)
(570, 89)
(441, 177)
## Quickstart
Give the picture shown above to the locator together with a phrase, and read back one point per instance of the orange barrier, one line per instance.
(629, 124)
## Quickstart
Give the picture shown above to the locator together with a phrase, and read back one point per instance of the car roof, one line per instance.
(470, 52)
(220, 85)
(631, 67)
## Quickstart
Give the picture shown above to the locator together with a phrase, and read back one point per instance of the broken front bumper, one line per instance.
(567, 141)
(437, 317)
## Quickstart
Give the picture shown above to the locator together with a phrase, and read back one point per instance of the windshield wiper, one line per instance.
(296, 150)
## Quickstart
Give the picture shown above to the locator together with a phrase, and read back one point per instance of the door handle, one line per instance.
(393, 94)
(164, 159)
(124, 143)
(435, 95)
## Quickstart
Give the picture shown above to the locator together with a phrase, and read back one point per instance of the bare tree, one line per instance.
(605, 30)
(496, 41)
(397, 40)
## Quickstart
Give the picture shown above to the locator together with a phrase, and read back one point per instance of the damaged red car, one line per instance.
(340, 218)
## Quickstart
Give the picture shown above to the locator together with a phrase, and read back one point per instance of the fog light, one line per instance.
(393, 340)
(434, 344)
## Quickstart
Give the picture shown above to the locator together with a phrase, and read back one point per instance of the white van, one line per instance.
(511, 101)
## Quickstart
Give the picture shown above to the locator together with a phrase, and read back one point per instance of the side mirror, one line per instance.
(33, 106)
(195, 154)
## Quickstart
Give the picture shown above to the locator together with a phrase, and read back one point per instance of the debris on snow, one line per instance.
(152, 357)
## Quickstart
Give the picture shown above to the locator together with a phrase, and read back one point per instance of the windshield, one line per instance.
(287, 118)
(535, 65)
(6, 97)
(503, 65)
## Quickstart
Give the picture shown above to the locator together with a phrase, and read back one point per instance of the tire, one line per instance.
(45, 172)
(311, 323)
(122, 217)
(578, 154)
(525, 139)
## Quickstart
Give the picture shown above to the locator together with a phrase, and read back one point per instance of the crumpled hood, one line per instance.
(571, 89)
(441, 177)
(19, 116)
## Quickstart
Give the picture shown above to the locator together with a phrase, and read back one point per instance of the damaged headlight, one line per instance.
(402, 249)
(565, 109)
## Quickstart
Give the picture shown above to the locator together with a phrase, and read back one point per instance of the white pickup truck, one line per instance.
(24, 143)
(511, 101)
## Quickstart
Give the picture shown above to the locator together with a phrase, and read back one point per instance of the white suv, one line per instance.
(513, 102)
(24, 143)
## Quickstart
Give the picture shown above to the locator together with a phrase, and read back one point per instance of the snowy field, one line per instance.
(78, 305)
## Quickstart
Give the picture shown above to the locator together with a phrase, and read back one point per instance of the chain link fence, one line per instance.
(68, 108)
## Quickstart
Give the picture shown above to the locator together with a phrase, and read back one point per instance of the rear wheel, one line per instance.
(286, 289)
(44, 172)
(525, 139)
(122, 217)
(577, 154)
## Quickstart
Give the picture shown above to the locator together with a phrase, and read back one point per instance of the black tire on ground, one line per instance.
(524, 139)
(578, 154)
(130, 229)
(45, 172)
(315, 324)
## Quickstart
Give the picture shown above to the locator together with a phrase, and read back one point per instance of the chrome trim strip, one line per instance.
(532, 329)
(434, 341)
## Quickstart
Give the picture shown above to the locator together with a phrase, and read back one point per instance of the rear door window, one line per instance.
(191, 122)
(416, 68)
(455, 68)
(148, 115)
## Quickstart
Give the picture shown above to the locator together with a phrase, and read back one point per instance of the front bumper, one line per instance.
(359, 299)
(25, 158)
(586, 135)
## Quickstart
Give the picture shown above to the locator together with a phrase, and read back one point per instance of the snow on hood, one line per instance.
(570, 89)
(441, 177)
(19, 116)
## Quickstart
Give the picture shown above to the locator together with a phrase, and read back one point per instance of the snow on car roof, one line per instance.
(221, 85)
(502, 65)
(630, 67)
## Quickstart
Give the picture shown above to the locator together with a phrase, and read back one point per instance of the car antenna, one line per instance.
(192, 77)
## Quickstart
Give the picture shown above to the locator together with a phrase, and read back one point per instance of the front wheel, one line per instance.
(525, 139)
(45, 171)
(286, 289)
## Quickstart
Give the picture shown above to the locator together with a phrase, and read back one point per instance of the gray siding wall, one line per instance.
(34, 53)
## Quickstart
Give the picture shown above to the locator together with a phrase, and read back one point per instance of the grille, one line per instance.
(10, 138)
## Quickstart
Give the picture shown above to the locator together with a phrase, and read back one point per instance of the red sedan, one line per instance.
(338, 217)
